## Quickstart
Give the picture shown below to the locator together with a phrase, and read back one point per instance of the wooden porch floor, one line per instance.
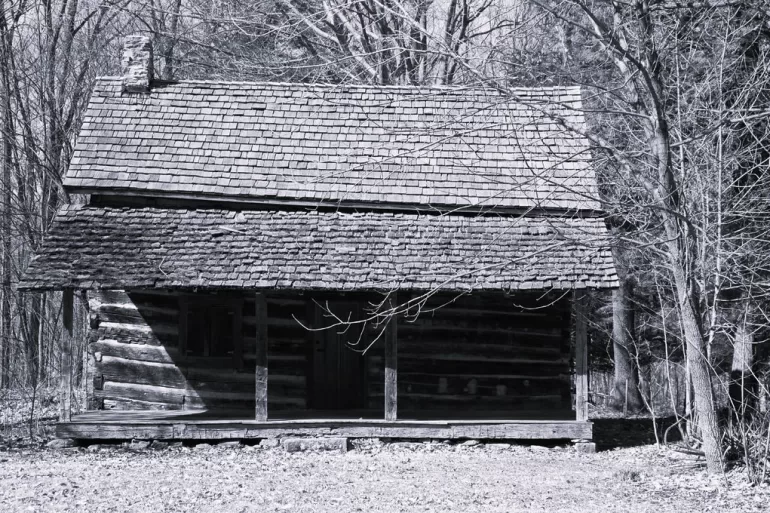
(223, 425)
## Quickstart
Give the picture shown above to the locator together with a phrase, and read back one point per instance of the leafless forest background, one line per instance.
(677, 96)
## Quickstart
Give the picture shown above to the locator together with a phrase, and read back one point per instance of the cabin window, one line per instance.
(210, 327)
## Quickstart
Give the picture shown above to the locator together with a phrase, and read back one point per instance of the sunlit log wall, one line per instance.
(135, 361)
(478, 353)
(134, 351)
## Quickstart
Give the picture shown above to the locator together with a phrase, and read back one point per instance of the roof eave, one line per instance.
(31, 286)
(236, 202)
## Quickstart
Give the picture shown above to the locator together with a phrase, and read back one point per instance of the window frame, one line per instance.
(209, 302)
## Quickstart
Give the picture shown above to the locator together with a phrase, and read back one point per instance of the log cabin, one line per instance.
(273, 259)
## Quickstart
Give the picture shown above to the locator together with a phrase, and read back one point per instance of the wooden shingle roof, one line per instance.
(342, 145)
(110, 247)
(260, 186)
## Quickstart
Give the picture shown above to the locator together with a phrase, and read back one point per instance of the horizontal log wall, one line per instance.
(288, 351)
(474, 355)
(135, 360)
(134, 351)
(480, 354)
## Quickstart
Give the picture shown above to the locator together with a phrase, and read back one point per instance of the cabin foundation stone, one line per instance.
(158, 445)
(230, 444)
(61, 443)
(270, 443)
(585, 447)
(315, 444)
(138, 445)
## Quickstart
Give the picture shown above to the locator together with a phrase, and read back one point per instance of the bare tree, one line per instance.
(652, 139)
(50, 51)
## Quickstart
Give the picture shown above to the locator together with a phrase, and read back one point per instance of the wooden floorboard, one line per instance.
(315, 415)
(212, 425)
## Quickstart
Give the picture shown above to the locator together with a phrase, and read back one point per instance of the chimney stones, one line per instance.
(137, 64)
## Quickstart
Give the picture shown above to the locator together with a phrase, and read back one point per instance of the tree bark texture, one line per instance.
(625, 391)
(680, 238)
(743, 382)
(705, 407)
(7, 262)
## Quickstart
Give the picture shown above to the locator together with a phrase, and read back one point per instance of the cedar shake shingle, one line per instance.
(342, 145)
(104, 247)
(385, 152)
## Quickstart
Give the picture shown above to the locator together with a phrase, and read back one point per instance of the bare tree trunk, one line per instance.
(34, 310)
(5, 308)
(743, 382)
(170, 38)
(30, 327)
(41, 354)
(681, 239)
(625, 391)
(6, 222)
(705, 407)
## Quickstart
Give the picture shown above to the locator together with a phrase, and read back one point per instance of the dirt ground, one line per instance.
(419, 477)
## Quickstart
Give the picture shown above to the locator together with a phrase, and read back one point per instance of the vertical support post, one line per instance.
(260, 413)
(581, 355)
(391, 370)
(65, 414)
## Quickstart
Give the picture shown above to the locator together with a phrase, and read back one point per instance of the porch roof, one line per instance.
(92, 247)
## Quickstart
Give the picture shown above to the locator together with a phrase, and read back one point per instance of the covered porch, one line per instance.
(276, 368)
(205, 318)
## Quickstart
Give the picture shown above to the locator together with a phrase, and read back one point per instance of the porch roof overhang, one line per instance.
(93, 247)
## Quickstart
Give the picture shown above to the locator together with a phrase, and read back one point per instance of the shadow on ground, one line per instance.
(620, 432)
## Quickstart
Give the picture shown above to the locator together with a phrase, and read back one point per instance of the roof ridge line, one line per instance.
(357, 86)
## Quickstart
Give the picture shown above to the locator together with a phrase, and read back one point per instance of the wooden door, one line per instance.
(338, 365)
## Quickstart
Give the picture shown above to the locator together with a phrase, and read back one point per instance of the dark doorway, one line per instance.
(338, 365)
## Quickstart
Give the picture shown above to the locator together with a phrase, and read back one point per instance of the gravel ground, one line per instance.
(372, 477)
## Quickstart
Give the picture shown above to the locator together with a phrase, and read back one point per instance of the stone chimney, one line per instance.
(137, 64)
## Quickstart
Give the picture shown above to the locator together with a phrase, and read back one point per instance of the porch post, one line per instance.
(581, 355)
(65, 413)
(260, 412)
(391, 371)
